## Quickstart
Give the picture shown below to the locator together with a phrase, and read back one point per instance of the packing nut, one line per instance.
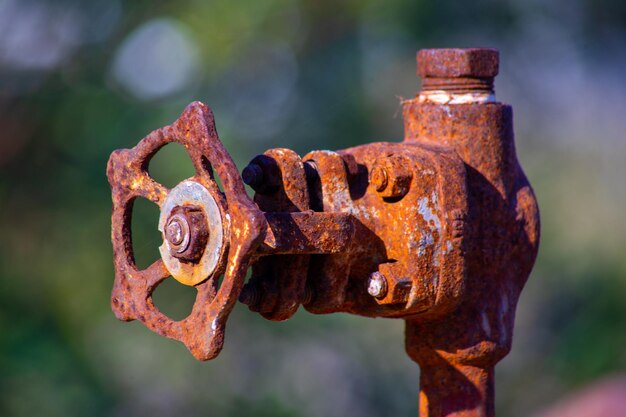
(458, 62)
(391, 176)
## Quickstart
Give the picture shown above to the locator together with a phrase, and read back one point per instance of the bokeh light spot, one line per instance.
(156, 60)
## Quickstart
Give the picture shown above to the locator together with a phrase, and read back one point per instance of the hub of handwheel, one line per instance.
(187, 233)
(193, 233)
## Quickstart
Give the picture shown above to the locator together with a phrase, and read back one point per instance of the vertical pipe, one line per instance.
(457, 353)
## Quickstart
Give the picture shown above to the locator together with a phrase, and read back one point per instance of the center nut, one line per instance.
(187, 233)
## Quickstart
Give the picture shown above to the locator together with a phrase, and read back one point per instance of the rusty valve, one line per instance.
(440, 230)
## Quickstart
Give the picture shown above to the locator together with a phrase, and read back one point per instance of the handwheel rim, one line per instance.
(244, 224)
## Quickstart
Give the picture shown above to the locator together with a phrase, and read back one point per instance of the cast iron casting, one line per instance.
(440, 230)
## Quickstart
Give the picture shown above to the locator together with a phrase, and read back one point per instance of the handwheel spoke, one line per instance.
(154, 274)
(152, 190)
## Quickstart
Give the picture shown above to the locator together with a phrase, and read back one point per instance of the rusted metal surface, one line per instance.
(307, 232)
(280, 281)
(457, 70)
(406, 237)
(502, 235)
(441, 230)
(391, 175)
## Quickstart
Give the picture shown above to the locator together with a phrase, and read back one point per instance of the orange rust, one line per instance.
(391, 176)
(443, 228)
(502, 230)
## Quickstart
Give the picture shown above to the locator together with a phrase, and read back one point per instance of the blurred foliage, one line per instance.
(81, 78)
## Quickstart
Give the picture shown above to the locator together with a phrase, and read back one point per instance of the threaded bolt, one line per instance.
(309, 295)
(377, 285)
(391, 176)
(176, 231)
(379, 178)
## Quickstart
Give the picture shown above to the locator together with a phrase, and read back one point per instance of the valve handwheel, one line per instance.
(206, 233)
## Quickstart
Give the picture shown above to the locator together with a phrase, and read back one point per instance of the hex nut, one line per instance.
(262, 174)
(391, 176)
(187, 233)
(453, 63)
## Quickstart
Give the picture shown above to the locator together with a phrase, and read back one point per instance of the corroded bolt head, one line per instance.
(456, 63)
(177, 233)
(252, 175)
(379, 178)
(391, 176)
(262, 174)
(187, 232)
(377, 285)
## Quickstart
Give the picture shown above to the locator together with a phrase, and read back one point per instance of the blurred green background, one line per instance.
(81, 78)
